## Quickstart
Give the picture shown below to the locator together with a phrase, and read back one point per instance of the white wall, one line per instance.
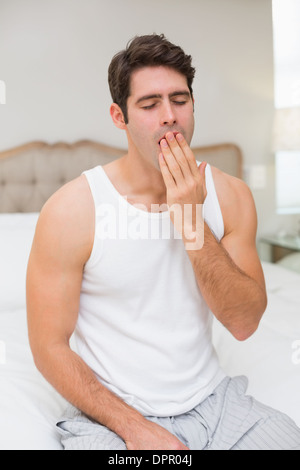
(54, 56)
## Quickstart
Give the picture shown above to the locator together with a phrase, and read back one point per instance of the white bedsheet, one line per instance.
(29, 406)
(271, 357)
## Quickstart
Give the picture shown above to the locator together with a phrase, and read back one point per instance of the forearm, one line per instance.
(236, 299)
(76, 382)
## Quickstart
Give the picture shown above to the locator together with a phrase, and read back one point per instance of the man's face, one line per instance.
(159, 102)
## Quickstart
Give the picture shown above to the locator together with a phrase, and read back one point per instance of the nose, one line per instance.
(167, 115)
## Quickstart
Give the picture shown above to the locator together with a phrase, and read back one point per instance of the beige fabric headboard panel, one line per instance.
(226, 157)
(30, 173)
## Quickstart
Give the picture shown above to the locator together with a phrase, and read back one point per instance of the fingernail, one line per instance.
(179, 137)
(164, 143)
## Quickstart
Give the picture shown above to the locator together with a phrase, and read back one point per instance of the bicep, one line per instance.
(52, 295)
(54, 275)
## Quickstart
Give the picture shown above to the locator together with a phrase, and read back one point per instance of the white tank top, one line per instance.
(143, 325)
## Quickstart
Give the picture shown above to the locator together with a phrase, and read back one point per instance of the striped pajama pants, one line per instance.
(227, 420)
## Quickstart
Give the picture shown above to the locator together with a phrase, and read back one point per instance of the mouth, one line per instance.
(164, 137)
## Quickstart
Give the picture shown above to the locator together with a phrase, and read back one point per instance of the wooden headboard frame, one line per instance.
(30, 173)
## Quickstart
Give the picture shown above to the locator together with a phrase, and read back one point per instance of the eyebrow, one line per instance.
(158, 96)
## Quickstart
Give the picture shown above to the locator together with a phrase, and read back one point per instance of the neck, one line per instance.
(142, 177)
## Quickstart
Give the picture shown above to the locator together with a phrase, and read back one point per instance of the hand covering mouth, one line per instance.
(164, 136)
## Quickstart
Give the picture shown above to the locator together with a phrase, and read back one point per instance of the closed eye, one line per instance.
(149, 107)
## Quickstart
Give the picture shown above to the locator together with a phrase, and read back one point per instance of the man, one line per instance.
(145, 375)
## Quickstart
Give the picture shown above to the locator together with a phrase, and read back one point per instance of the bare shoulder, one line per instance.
(73, 196)
(229, 186)
(236, 200)
(67, 219)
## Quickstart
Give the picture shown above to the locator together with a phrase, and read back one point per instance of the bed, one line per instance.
(29, 406)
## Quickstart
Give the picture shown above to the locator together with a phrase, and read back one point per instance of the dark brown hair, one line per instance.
(143, 51)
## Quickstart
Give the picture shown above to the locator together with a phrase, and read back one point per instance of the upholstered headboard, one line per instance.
(226, 157)
(30, 173)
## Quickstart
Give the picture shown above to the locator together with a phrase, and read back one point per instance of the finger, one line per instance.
(167, 177)
(201, 169)
(201, 173)
(188, 153)
(179, 155)
(172, 163)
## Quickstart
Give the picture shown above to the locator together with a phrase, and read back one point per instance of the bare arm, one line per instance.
(229, 273)
(61, 246)
(235, 298)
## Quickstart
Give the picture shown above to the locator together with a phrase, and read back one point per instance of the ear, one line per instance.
(117, 116)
